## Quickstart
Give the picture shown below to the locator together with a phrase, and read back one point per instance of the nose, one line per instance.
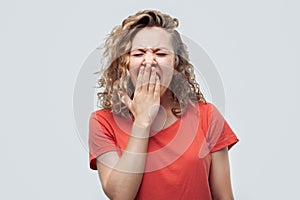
(150, 58)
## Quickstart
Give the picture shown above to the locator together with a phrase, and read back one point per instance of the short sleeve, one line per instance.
(219, 134)
(101, 138)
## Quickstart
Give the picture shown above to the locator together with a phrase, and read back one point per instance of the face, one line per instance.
(153, 45)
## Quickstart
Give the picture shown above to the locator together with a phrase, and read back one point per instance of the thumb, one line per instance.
(126, 100)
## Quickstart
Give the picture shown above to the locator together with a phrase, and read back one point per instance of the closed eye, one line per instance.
(137, 54)
(161, 54)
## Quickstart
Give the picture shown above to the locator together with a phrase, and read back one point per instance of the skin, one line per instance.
(220, 182)
(153, 46)
(151, 69)
(156, 50)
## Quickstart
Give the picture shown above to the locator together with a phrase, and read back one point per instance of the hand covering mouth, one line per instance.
(158, 76)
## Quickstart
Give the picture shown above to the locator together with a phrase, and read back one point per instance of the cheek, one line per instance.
(167, 68)
(135, 62)
(168, 73)
(134, 65)
(166, 62)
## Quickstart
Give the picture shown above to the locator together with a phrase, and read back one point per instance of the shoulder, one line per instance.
(199, 111)
(101, 120)
(197, 108)
(102, 114)
(205, 107)
(106, 117)
(206, 111)
(210, 111)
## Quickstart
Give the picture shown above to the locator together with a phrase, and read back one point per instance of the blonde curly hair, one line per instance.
(115, 77)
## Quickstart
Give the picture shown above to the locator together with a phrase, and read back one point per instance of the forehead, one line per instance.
(152, 37)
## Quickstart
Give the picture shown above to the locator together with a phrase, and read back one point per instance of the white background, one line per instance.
(255, 46)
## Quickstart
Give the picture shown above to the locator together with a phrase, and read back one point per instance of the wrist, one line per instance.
(142, 123)
(140, 130)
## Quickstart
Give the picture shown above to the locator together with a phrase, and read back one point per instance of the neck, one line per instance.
(165, 116)
(165, 100)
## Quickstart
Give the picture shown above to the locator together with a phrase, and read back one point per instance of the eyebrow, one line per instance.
(153, 49)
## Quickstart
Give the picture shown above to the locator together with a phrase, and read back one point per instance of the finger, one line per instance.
(127, 101)
(152, 80)
(146, 76)
(140, 78)
(157, 88)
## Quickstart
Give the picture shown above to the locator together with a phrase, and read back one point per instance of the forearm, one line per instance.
(124, 180)
(220, 176)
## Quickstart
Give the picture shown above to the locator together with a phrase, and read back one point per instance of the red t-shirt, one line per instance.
(179, 156)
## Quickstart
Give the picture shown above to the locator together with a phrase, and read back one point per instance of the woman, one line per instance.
(156, 136)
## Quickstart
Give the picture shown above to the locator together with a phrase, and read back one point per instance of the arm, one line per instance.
(122, 176)
(220, 176)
